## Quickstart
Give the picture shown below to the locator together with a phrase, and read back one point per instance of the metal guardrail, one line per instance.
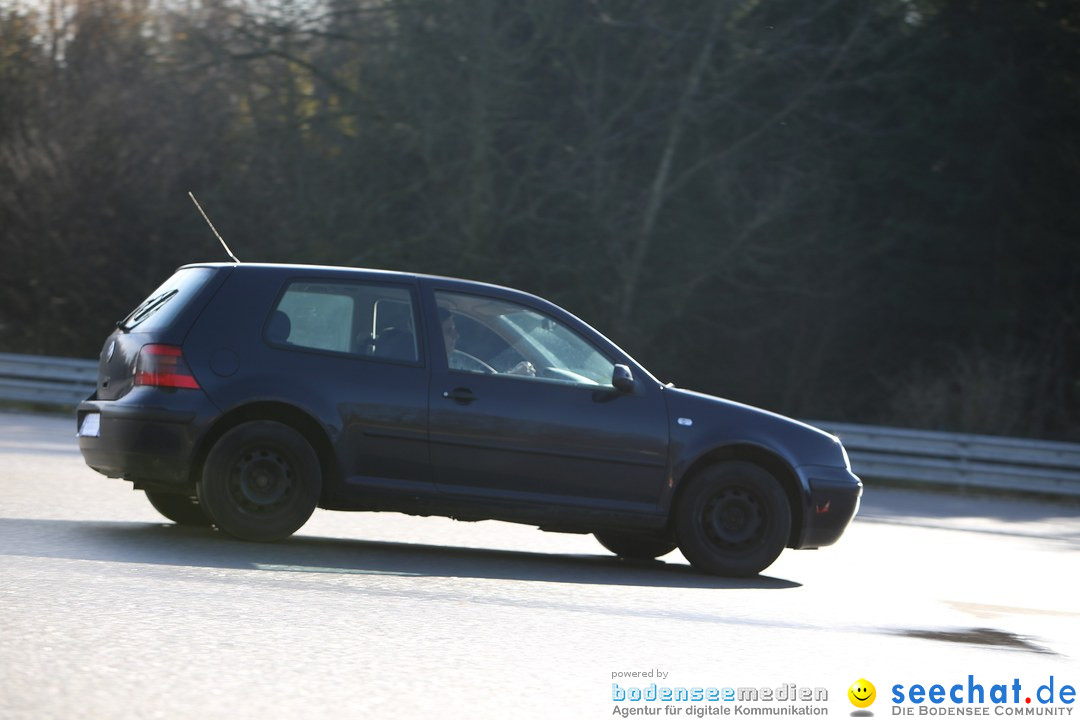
(877, 453)
(62, 382)
(960, 460)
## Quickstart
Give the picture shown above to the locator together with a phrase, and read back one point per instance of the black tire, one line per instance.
(733, 519)
(637, 546)
(181, 509)
(261, 481)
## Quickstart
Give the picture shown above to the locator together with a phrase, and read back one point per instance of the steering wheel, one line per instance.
(471, 363)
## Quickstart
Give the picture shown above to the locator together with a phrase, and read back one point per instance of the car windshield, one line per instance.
(502, 335)
(561, 347)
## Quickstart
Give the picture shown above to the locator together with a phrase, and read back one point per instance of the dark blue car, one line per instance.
(247, 395)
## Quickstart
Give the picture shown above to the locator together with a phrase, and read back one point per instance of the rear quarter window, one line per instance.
(162, 306)
(320, 319)
(363, 319)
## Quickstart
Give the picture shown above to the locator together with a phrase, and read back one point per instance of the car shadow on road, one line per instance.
(173, 545)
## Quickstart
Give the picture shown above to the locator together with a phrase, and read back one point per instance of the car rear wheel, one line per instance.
(637, 546)
(261, 481)
(733, 519)
(181, 509)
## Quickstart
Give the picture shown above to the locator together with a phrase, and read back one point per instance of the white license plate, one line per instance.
(91, 426)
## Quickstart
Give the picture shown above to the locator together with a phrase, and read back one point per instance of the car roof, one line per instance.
(302, 267)
(344, 269)
(445, 281)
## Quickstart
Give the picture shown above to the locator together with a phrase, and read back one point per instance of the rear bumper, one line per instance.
(138, 439)
(831, 504)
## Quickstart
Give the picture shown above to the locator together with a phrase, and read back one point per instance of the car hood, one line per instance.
(701, 423)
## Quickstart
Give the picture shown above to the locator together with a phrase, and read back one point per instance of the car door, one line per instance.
(355, 353)
(522, 408)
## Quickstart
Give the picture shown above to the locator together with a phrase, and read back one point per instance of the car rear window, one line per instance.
(163, 305)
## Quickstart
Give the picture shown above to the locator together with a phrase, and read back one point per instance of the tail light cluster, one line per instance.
(163, 366)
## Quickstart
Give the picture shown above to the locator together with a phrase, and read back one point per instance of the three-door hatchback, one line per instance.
(247, 395)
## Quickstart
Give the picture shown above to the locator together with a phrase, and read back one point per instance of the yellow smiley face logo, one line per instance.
(862, 693)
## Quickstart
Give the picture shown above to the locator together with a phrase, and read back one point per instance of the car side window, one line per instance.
(489, 336)
(368, 320)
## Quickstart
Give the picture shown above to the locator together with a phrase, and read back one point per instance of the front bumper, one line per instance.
(830, 506)
(139, 439)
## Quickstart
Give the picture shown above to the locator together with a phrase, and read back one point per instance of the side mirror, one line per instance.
(622, 379)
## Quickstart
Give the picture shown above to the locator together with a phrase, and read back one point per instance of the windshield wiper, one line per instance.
(145, 310)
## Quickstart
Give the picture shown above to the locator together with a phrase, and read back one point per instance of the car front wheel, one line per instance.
(261, 481)
(181, 509)
(733, 519)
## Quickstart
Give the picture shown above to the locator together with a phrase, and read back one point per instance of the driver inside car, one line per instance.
(460, 360)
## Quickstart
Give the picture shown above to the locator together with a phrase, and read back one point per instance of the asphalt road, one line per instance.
(107, 611)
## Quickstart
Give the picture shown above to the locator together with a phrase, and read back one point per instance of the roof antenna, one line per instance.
(221, 239)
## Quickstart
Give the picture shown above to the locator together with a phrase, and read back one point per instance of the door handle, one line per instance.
(460, 395)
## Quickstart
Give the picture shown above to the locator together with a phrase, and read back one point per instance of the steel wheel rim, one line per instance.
(261, 480)
(734, 518)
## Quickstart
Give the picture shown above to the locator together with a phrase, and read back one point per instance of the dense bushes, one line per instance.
(847, 210)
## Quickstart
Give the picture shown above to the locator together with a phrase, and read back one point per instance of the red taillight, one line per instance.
(163, 366)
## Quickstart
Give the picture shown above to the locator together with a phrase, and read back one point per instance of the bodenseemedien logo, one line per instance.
(701, 701)
(862, 695)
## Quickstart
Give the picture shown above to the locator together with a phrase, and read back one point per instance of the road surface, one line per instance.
(109, 611)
